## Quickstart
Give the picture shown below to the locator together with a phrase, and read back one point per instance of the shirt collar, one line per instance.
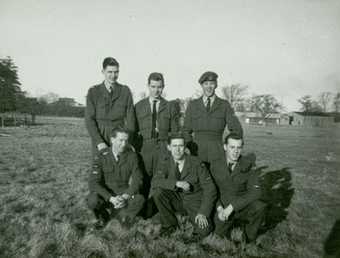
(212, 98)
(107, 86)
(152, 99)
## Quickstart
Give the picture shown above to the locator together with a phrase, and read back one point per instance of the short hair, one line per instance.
(234, 136)
(119, 129)
(156, 77)
(177, 135)
(110, 61)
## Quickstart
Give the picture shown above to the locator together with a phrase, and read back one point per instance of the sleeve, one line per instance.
(130, 121)
(96, 180)
(253, 192)
(233, 124)
(187, 129)
(160, 179)
(136, 178)
(90, 119)
(175, 117)
(209, 191)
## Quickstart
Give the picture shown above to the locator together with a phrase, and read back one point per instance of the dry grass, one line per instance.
(43, 185)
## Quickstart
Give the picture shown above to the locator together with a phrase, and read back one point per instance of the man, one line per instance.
(206, 118)
(239, 189)
(156, 118)
(108, 105)
(115, 182)
(183, 184)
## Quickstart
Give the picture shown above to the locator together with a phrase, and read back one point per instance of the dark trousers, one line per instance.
(152, 150)
(169, 202)
(99, 206)
(251, 217)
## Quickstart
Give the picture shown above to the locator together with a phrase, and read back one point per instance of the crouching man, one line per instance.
(239, 190)
(115, 182)
(181, 183)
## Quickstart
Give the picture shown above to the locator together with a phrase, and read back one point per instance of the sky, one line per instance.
(286, 48)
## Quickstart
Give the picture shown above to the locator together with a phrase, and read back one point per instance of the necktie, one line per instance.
(230, 167)
(208, 104)
(154, 119)
(111, 92)
(177, 172)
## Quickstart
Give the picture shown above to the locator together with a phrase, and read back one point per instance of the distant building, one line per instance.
(311, 119)
(257, 119)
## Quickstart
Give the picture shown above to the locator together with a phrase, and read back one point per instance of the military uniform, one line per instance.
(240, 188)
(153, 146)
(105, 111)
(169, 199)
(110, 178)
(207, 127)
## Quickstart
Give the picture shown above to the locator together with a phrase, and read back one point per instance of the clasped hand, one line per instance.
(223, 214)
(119, 201)
(184, 185)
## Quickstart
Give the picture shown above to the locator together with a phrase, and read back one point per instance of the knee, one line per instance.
(158, 193)
(93, 201)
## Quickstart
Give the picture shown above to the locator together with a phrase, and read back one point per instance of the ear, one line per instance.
(225, 147)
(168, 146)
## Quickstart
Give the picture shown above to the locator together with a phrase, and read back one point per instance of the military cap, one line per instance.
(156, 77)
(208, 76)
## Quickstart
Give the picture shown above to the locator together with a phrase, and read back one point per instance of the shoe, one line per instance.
(167, 231)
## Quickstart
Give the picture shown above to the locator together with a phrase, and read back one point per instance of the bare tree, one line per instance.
(235, 94)
(309, 105)
(336, 102)
(325, 100)
(265, 105)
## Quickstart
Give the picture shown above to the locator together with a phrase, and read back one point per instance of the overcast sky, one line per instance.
(285, 48)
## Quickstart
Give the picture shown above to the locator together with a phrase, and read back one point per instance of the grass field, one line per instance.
(43, 184)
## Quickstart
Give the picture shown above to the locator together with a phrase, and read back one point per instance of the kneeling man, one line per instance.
(115, 182)
(239, 190)
(182, 183)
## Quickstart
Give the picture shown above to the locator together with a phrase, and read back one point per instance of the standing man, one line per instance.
(108, 105)
(115, 182)
(239, 189)
(156, 118)
(183, 184)
(206, 119)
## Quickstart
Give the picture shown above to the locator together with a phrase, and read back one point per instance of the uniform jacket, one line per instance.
(195, 173)
(210, 125)
(101, 109)
(241, 187)
(167, 118)
(110, 177)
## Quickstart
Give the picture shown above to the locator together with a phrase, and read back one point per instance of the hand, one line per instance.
(118, 201)
(201, 220)
(220, 213)
(227, 211)
(125, 196)
(184, 185)
(101, 146)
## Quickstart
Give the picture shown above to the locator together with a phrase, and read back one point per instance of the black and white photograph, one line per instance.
(162, 129)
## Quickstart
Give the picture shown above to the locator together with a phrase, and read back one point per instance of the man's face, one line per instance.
(119, 142)
(176, 147)
(208, 88)
(111, 74)
(155, 88)
(233, 149)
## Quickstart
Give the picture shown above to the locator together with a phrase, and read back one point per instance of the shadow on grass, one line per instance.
(277, 193)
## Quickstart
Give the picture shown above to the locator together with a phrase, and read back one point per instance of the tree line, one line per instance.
(14, 100)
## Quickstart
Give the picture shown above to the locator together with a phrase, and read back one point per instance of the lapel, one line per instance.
(171, 168)
(116, 92)
(201, 105)
(146, 106)
(216, 104)
(162, 105)
(105, 93)
(186, 168)
(237, 168)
